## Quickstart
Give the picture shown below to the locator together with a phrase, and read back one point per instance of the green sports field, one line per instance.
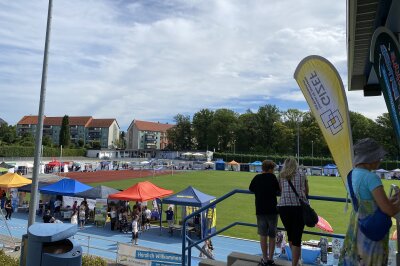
(240, 207)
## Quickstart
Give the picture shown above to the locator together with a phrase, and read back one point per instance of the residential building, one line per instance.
(84, 128)
(144, 135)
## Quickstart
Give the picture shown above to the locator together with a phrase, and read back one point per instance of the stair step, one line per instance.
(242, 259)
(210, 262)
(245, 263)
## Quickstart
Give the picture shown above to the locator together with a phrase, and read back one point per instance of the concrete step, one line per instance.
(210, 262)
(242, 259)
(245, 263)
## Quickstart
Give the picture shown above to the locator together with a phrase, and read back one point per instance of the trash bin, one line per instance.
(48, 245)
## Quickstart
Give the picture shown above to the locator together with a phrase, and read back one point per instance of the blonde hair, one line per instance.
(289, 168)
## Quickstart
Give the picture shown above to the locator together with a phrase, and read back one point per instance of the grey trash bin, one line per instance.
(48, 245)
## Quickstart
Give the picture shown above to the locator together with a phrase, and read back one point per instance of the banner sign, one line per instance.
(134, 255)
(324, 91)
(100, 216)
(384, 55)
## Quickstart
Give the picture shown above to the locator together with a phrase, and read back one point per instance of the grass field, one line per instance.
(240, 207)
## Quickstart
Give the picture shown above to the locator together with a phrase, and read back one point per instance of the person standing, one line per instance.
(82, 217)
(135, 230)
(113, 216)
(289, 207)
(357, 248)
(74, 217)
(9, 209)
(265, 187)
(170, 219)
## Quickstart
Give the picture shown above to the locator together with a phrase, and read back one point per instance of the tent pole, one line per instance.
(160, 211)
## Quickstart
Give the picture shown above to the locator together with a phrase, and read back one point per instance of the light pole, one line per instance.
(312, 153)
(298, 141)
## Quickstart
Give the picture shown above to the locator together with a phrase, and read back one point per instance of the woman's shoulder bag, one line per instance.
(310, 217)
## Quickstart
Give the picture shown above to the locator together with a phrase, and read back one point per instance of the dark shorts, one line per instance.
(135, 235)
(266, 224)
(292, 219)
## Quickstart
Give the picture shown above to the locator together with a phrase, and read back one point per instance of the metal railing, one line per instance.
(192, 243)
(88, 248)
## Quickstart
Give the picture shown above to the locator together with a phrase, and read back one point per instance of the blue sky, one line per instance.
(150, 60)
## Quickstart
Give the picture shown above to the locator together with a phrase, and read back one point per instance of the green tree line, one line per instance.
(270, 131)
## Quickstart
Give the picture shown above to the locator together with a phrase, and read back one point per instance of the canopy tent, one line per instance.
(192, 197)
(330, 170)
(189, 197)
(383, 174)
(142, 191)
(28, 188)
(234, 166)
(11, 180)
(55, 163)
(256, 166)
(6, 165)
(198, 154)
(99, 192)
(187, 154)
(220, 165)
(65, 187)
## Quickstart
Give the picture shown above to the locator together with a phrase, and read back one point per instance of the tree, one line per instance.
(65, 135)
(47, 141)
(180, 136)
(8, 134)
(121, 143)
(201, 128)
(223, 128)
(246, 132)
(268, 115)
(386, 135)
(361, 126)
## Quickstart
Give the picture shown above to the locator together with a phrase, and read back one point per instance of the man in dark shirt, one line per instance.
(47, 218)
(265, 187)
(170, 219)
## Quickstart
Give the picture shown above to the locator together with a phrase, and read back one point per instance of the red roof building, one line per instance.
(147, 135)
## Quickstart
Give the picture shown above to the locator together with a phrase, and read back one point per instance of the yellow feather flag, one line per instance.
(323, 89)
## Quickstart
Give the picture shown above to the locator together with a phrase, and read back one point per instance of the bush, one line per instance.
(21, 151)
(88, 260)
(8, 260)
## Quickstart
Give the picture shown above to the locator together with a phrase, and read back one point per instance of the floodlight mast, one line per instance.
(39, 127)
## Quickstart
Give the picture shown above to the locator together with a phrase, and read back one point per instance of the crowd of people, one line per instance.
(358, 247)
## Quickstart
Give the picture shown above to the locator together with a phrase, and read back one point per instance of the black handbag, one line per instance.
(310, 217)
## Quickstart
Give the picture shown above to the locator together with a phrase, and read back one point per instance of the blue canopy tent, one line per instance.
(192, 199)
(220, 165)
(65, 187)
(330, 170)
(256, 167)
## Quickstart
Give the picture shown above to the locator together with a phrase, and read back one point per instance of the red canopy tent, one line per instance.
(142, 191)
(55, 163)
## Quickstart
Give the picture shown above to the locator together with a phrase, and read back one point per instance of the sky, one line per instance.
(151, 60)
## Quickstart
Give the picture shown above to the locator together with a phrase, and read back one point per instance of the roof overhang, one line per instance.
(363, 17)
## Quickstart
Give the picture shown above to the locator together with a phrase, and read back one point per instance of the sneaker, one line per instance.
(263, 262)
(271, 262)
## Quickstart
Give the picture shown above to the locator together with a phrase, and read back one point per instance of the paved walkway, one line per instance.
(103, 242)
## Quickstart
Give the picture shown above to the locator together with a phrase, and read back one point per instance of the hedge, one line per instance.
(21, 151)
(306, 160)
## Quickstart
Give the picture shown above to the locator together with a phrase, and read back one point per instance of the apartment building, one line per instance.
(143, 135)
(85, 128)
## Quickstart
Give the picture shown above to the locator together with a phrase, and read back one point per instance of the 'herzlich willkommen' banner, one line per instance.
(323, 89)
(384, 54)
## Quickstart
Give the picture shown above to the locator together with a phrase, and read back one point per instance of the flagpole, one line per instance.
(39, 127)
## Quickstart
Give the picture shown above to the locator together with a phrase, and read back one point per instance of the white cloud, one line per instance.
(150, 60)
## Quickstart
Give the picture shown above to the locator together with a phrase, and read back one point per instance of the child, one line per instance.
(135, 234)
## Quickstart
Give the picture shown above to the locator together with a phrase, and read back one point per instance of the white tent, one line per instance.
(198, 154)
(187, 154)
(383, 174)
(144, 162)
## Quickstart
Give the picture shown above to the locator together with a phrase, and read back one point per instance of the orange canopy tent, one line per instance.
(233, 162)
(142, 191)
(11, 180)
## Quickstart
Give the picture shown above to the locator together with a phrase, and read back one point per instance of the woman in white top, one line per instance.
(74, 218)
